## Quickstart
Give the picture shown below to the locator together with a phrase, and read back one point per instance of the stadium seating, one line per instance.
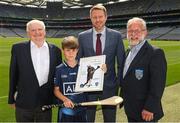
(172, 35)
(162, 19)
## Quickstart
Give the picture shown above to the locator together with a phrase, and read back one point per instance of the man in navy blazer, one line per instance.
(32, 71)
(144, 76)
(113, 48)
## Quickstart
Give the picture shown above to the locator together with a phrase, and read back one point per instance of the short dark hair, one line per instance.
(70, 42)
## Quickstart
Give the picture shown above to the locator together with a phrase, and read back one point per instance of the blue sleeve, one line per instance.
(57, 78)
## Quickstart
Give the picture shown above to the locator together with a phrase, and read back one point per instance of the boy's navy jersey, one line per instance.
(65, 78)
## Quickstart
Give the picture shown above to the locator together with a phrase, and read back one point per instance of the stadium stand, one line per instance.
(162, 19)
(19, 32)
(7, 32)
(172, 35)
(164, 5)
(21, 11)
(158, 32)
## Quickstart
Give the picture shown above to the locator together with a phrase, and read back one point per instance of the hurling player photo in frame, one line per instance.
(90, 75)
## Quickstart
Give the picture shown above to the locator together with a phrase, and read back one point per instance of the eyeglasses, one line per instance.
(135, 31)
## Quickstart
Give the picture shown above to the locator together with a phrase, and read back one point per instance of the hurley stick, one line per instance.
(115, 100)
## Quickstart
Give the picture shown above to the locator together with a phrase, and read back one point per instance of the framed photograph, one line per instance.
(90, 75)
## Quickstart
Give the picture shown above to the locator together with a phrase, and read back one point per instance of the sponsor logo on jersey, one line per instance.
(72, 73)
(64, 76)
(68, 88)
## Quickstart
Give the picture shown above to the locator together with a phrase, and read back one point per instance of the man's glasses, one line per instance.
(135, 31)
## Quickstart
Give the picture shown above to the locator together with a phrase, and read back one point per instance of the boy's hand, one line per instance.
(104, 68)
(68, 103)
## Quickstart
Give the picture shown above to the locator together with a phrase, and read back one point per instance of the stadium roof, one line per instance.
(66, 3)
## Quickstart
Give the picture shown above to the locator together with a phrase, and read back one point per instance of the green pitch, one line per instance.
(171, 48)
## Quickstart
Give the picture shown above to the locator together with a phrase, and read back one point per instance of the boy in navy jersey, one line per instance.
(64, 81)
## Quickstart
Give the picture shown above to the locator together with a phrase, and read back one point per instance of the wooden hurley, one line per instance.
(115, 100)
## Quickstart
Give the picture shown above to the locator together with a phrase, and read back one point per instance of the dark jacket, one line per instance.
(144, 83)
(23, 78)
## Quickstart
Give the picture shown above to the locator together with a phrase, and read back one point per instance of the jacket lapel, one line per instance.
(29, 59)
(51, 56)
(90, 41)
(30, 64)
(127, 52)
(107, 40)
(28, 56)
(137, 57)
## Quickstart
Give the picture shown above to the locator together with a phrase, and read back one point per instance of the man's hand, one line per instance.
(146, 115)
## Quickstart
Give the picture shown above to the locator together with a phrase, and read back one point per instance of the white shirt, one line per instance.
(40, 59)
(133, 52)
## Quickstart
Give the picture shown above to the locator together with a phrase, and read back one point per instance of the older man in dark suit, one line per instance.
(97, 41)
(144, 76)
(32, 70)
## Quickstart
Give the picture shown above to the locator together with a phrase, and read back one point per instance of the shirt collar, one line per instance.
(65, 64)
(138, 46)
(102, 33)
(34, 45)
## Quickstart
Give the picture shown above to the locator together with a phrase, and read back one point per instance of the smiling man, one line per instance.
(32, 70)
(100, 40)
(144, 76)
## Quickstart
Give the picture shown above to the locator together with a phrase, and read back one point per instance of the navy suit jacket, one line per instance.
(144, 83)
(114, 50)
(23, 78)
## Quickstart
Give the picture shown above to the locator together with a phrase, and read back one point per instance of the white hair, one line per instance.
(34, 21)
(136, 19)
